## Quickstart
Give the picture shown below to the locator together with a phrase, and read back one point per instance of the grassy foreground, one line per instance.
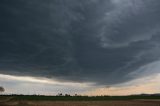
(33, 100)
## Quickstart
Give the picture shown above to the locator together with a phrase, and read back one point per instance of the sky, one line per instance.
(88, 47)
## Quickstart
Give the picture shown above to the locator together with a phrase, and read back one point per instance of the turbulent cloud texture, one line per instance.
(100, 41)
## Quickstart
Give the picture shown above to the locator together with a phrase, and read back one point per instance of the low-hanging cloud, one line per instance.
(99, 41)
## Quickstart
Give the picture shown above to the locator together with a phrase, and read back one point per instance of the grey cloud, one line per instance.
(133, 20)
(79, 40)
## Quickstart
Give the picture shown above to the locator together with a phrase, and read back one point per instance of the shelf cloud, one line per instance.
(100, 41)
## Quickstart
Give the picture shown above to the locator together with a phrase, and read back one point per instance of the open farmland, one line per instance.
(82, 103)
(79, 101)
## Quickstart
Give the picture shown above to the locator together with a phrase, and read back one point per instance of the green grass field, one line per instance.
(76, 98)
(33, 100)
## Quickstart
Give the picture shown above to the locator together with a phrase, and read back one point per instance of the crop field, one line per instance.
(79, 101)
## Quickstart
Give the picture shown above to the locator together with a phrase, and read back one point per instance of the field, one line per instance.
(79, 101)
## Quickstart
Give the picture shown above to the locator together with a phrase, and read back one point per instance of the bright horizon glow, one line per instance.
(36, 85)
(146, 85)
(40, 80)
(27, 84)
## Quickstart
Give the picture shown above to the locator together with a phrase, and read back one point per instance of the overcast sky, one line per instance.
(79, 46)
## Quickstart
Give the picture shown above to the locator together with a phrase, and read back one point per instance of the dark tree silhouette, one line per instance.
(2, 89)
(67, 95)
(60, 94)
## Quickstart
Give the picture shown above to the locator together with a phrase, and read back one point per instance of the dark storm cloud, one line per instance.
(79, 40)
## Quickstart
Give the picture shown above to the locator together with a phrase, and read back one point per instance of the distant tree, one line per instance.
(1, 89)
(67, 95)
(76, 95)
(60, 94)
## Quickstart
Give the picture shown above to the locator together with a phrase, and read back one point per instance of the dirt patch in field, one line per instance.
(83, 103)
